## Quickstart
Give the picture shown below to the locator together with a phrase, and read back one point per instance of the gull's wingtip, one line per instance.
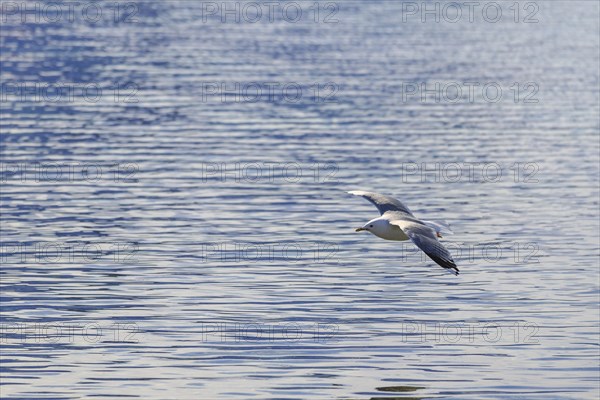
(452, 270)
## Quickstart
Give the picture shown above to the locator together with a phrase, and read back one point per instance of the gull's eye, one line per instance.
(370, 226)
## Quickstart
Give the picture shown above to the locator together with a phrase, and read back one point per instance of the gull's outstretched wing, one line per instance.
(382, 202)
(424, 237)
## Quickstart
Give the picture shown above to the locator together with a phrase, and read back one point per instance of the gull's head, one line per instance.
(371, 226)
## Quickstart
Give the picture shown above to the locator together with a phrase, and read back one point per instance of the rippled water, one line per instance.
(159, 241)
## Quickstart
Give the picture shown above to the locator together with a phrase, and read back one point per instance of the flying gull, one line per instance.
(398, 223)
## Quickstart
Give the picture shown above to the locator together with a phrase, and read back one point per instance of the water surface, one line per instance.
(196, 248)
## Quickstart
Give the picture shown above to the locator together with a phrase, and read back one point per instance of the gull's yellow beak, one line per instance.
(359, 229)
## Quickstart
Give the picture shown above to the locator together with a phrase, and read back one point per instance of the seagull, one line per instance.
(397, 222)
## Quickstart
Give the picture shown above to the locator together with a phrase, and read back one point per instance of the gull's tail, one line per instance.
(440, 227)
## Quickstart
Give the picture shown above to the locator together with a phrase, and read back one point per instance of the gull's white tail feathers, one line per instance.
(440, 227)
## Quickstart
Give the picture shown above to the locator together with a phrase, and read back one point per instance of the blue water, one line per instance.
(160, 240)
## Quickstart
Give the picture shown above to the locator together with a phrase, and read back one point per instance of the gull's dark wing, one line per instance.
(425, 239)
(382, 202)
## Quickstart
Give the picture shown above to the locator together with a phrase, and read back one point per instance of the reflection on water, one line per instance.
(399, 388)
(163, 237)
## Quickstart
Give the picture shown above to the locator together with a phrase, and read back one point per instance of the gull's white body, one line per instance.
(383, 229)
